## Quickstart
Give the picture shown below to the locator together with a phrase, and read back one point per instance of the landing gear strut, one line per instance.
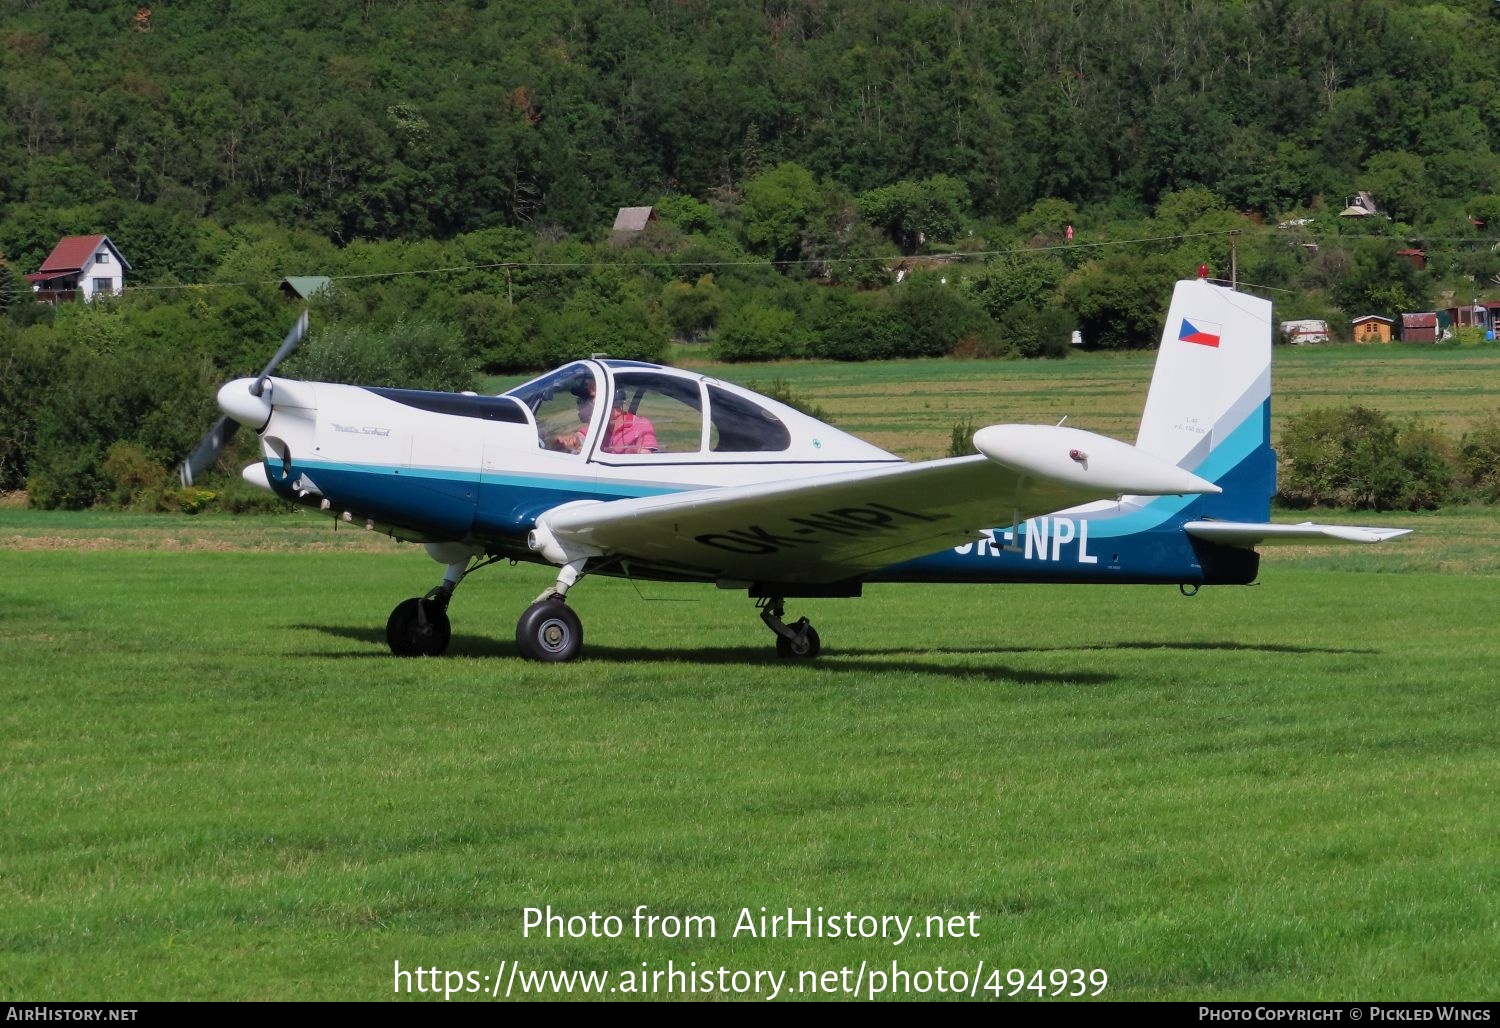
(549, 631)
(797, 641)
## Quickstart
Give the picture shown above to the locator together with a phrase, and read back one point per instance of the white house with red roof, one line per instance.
(80, 266)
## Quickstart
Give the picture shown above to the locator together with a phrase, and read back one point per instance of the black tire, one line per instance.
(549, 631)
(418, 628)
(805, 647)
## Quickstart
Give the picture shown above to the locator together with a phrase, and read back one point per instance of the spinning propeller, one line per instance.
(211, 445)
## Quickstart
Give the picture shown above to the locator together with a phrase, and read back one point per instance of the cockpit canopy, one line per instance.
(650, 409)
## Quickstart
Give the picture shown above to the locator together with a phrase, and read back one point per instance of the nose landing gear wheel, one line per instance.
(803, 646)
(418, 628)
(549, 631)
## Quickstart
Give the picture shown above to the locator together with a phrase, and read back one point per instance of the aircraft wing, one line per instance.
(829, 528)
(1250, 534)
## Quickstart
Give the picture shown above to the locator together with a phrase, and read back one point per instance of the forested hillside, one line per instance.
(427, 119)
(850, 179)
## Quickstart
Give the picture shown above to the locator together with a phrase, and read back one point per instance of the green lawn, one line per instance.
(217, 784)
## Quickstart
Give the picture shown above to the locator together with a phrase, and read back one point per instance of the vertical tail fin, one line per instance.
(1209, 407)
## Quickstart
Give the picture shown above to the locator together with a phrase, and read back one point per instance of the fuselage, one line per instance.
(479, 471)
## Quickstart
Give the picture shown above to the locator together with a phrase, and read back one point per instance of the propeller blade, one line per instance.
(293, 338)
(208, 449)
(211, 445)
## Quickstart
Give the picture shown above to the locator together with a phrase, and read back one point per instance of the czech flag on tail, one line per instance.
(1205, 333)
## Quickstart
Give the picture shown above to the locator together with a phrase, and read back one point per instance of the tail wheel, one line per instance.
(549, 631)
(418, 628)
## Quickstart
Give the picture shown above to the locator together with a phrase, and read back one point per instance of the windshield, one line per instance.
(561, 403)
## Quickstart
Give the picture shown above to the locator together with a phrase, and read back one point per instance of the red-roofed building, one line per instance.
(1420, 328)
(80, 266)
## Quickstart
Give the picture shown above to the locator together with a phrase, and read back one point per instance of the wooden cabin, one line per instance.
(1372, 328)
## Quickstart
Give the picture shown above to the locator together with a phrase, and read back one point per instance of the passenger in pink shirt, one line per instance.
(625, 433)
(629, 433)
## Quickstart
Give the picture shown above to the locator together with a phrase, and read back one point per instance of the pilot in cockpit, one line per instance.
(624, 433)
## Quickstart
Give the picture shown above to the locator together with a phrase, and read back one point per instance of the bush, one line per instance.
(501, 336)
(1428, 465)
(627, 330)
(937, 319)
(1038, 332)
(240, 497)
(692, 310)
(1479, 461)
(961, 439)
(1009, 279)
(848, 329)
(187, 500)
(755, 332)
(417, 354)
(1357, 458)
(1119, 300)
(136, 481)
(158, 402)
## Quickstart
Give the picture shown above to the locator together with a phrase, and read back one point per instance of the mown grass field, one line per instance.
(216, 784)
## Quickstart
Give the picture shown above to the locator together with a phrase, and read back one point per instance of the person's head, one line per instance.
(584, 391)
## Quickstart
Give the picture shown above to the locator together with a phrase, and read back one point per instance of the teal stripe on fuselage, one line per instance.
(447, 503)
(592, 486)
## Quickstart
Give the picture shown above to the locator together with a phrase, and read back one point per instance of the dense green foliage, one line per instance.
(423, 119)
(1479, 461)
(1359, 458)
(843, 179)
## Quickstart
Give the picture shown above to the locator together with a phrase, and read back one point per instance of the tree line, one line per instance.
(427, 119)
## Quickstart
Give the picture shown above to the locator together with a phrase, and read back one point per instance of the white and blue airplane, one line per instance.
(675, 476)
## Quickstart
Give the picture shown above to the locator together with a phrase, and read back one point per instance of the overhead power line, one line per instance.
(956, 255)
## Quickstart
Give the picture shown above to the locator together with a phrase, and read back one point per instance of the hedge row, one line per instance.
(1360, 459)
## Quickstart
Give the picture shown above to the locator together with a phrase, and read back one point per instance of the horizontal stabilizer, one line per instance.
(1246, 535)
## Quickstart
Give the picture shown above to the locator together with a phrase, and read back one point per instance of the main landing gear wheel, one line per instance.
(418, 627)
(802, 645)
(797, 641)
(549, 631)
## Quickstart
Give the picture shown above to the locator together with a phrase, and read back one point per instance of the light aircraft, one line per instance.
(628, 469)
